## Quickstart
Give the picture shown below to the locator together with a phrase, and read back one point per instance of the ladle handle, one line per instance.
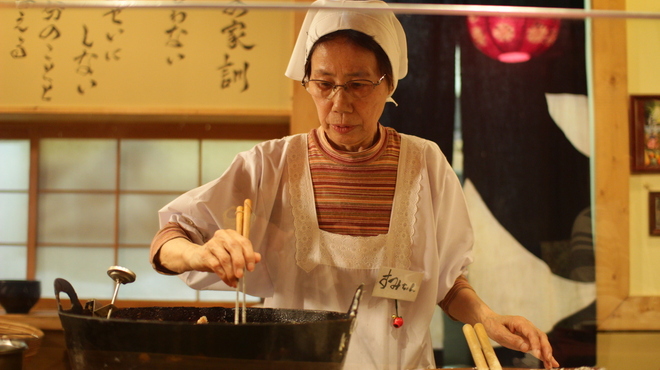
(62, 285)
(114, 297)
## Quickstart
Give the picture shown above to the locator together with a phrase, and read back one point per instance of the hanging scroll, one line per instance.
(56, 59)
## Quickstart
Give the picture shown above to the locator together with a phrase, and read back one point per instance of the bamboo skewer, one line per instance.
(486, 347)
(475, 347)
(247, 213)
(243, 216)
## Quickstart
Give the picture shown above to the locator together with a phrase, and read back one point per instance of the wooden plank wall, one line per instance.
(617, 310)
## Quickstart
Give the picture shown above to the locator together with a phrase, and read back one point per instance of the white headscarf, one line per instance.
(383, 26)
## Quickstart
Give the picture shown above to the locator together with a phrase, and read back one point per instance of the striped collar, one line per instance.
(374, 151)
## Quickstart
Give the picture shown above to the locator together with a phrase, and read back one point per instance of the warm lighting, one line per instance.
(513, 39)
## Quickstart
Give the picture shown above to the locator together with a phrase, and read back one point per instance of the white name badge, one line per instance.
(397, 284)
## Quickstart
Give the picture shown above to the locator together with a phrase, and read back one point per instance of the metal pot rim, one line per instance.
(340, 317)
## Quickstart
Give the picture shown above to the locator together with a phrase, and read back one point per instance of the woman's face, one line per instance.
(349, 123)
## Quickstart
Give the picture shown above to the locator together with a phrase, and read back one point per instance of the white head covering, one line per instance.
(382, 25)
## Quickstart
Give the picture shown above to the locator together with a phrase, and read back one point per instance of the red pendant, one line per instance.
(397, 321)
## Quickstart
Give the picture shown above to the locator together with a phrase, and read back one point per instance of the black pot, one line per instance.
(170, 338)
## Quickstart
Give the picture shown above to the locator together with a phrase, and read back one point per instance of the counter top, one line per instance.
(44, 320)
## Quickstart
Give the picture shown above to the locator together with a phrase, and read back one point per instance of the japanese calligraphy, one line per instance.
(84, 61)
(229, 74)
(19, 51)
(235, 31)
(94, 49)
(174, 36)
(112, 32)
(49, 34)
(114, 55)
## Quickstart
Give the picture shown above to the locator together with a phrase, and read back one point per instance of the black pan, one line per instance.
(170, 338)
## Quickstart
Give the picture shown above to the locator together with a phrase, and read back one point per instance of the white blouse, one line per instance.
(304, 267)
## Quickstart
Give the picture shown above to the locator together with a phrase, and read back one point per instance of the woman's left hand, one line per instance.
(518, 333)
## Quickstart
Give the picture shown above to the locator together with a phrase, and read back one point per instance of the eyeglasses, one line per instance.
(356, 88)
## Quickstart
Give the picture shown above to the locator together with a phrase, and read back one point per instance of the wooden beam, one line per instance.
(616, 308)
(33, 209)
(143, 127)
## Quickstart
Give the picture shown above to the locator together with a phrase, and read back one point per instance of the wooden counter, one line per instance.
(44, 320)
(52, 353)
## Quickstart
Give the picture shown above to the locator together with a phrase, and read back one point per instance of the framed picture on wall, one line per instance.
(654, 213)
(645, 133)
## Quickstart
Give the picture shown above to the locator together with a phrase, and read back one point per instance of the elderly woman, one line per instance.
(345, 204)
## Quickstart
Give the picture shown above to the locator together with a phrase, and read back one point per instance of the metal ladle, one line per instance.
(121, 275)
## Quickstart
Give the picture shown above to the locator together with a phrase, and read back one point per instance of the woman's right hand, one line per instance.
(227, 254)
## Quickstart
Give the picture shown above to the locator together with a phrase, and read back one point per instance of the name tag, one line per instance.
(398, 284)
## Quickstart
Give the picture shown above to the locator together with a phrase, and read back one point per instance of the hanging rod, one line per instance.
(425, 9)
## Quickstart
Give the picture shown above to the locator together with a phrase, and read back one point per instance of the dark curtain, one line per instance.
(426, 95)
(510, 141)
(531, 177)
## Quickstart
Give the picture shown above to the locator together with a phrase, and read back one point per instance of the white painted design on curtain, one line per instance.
(571, 113)
(513, 281)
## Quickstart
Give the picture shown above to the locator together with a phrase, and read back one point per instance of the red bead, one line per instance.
(397, 322)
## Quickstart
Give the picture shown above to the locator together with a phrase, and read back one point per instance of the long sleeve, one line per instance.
(460, 284)
(171, 230)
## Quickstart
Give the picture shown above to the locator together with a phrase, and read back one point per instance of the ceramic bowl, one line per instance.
(19, 296)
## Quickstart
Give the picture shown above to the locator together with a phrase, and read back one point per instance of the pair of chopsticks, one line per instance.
(480, 347)
(243, 215)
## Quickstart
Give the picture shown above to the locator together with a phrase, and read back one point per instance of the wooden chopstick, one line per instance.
(239, 220)
(247, 213)
(239, 229)
(482, 351)
(243, 216)
(475, 347)
(486, 347)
